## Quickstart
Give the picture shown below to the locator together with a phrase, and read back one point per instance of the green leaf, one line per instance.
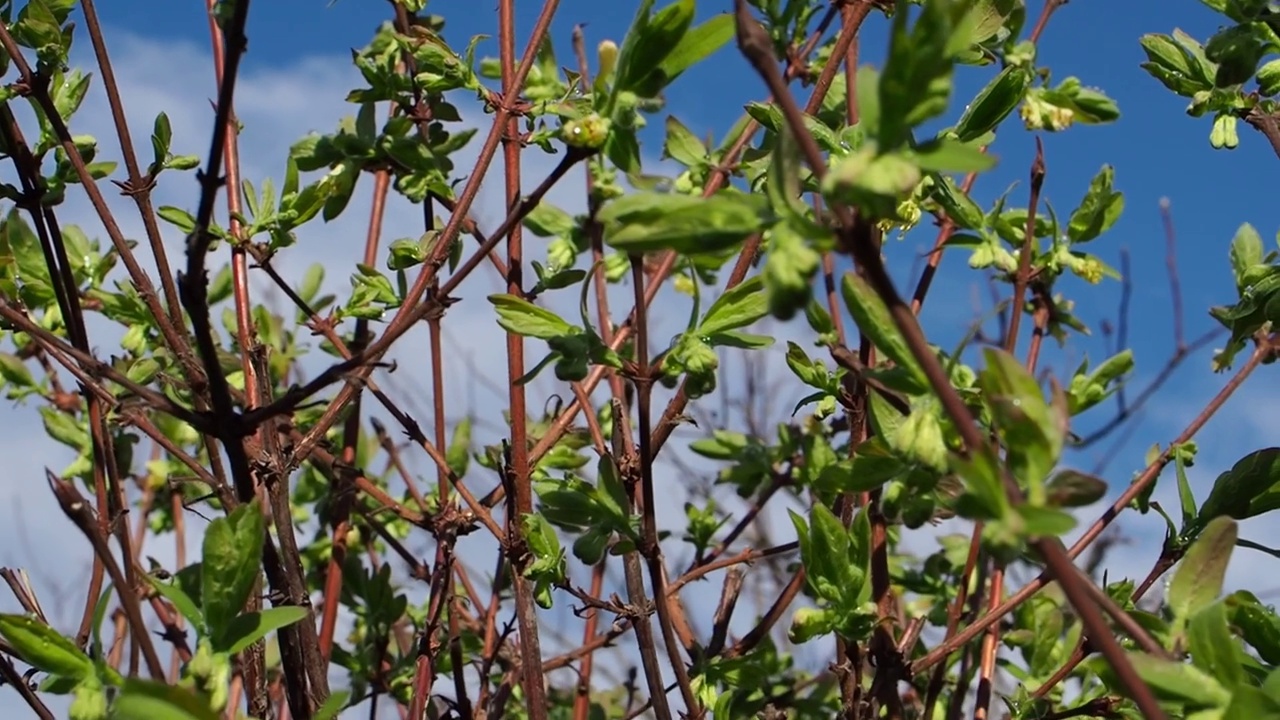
(311, 282)
(182, 602)
(682, 145)
(649, 221)
(1165, 52)
(1033, 430)
(547, 220)
(962, 210)
(161, 137)
(1213, 648)
(1074, 489)
(648, 43)
(738, 307)
(1248, 489)
(522, 317)
(945, 155)
(916, 82)
(993, 104)
(989, 16)
(231, 555)
(984, 497)
(64, 428)
(808, 623)
(875, 183)
(699, 43)
(1186, 500)
(873, 320)
(248, 628)
(405, 253)
(40, 646)
(1098, 211)
(1178, 682)
(1251, 703)
(1246, 253)
(1197, 583)
(458, 455)
(1237, 50)
(1259, 625)
(335, 704)
(14, 371)
(179, 218)
(152, 700)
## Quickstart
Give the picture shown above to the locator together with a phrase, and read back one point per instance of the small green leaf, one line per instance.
(993, 104)
(1164, 51)
(1213, 648)
(697, 44)
(547, 220)
(152, 700)
(1254, 478)
(648, 43)
(231, 555)
(1197, 583)
(737, 307)
(335, 704)
(40, 646)
(1259, 625)
(182, 602)
(682, 145)
(14, 371)
(1074, 489)
(1178, 682)
(946, 155)
(522, 317)
(179, 218)
(648, 221)
(1246, 253)
(873, 319)
(1098, 211)
(458, 455)
(249, 628)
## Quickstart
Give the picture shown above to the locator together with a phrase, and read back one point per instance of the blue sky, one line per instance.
(297, 72)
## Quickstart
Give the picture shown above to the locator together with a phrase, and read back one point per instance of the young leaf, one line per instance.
(682, 145)
(1197, 583)
(993, 104)
(1034, 430)
(1246, 252)
(738, 307)
(952, 156)
(522, 317)
(1178, 682)
(1213, 648)
(916, 81)
(873, 319)
(232, 552)
(697, 45)
(648, 43)
(335, 704)
(1098, 211)
(40, 646)
(1254, 477)
(547, 220)
(1074, 489)
(458, 455)
(1259, 625)
(182, 602)
(249, 628)
(179, 218)
(152, 700)
(648, 221)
